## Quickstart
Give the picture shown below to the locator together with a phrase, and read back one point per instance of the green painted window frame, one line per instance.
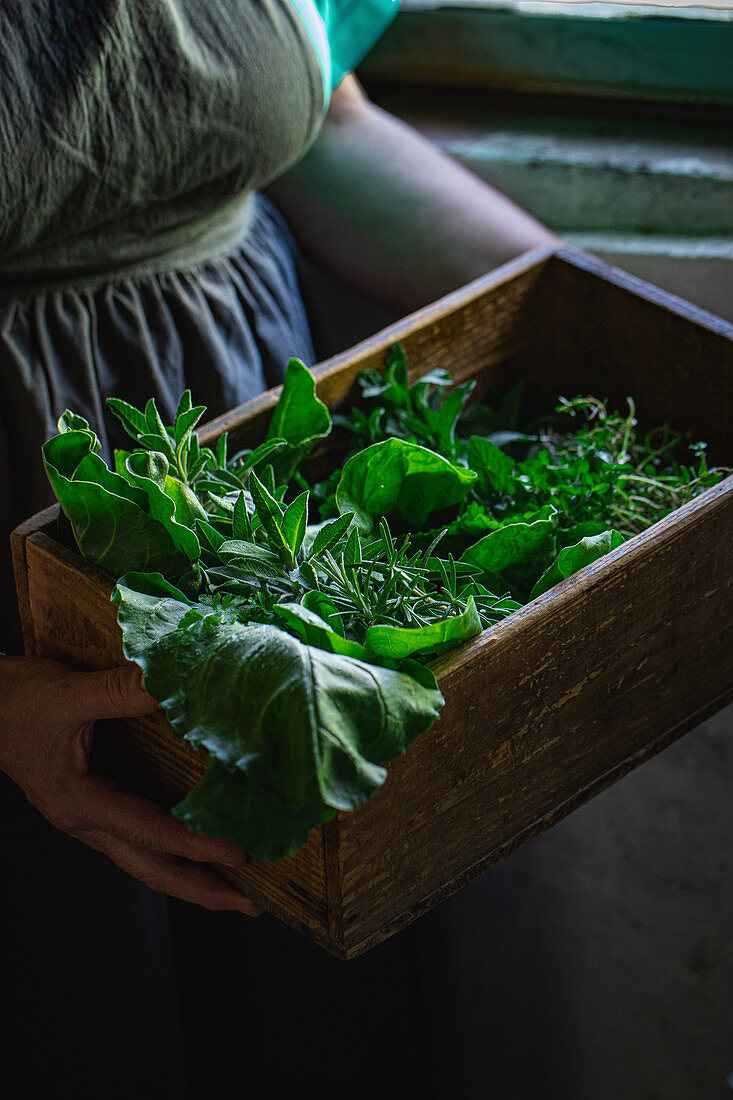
(641, 53)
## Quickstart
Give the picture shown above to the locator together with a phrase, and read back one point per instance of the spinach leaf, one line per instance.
(315, 631)
(494, 468)
(517, 552)
(399, 476)
(399, 641)
(572, 558)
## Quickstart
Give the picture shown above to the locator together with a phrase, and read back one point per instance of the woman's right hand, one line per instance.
(47, 716)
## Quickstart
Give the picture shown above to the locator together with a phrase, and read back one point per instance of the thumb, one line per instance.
(112, 693)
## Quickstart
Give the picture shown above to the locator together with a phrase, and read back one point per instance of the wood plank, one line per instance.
(20, 570)
(533, 829)
(474, 330)
(581, 680)
(633, 338)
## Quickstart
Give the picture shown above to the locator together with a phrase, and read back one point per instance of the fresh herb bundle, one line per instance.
(284, 623)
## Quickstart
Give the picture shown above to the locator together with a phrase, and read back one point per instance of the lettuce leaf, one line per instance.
(295, 733)
(111, 518)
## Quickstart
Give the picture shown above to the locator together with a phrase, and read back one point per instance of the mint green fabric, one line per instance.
(353, 26)
(343, 31)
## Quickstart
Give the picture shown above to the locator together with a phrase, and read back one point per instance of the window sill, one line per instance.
(638, 52)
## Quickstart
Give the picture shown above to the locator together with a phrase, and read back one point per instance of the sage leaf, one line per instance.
(294, 523)
(329, 534)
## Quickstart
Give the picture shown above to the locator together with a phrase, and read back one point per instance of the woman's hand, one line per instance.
(47, 716)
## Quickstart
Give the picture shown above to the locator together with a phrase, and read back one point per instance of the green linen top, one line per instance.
(134, 132)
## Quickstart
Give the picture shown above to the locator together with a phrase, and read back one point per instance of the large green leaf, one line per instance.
(494, 467)
(110, 516)
(572, 558)
(398, 476)
(301, 732)
(148, 470)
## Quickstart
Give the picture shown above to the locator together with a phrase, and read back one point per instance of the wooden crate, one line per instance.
(543, 710)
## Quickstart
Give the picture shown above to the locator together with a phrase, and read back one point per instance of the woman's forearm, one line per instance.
(381, 206)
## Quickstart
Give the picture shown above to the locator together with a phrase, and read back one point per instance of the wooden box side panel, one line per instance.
(74, 621)
(545, 705)
(629, 337)
(480, 331)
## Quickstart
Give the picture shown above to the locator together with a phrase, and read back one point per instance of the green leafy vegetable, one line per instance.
(400, 641)
(295, 732)
(516, 551)
(399, 476)
(300, 418)
(111, 518)
(572, 558)
(284, 625)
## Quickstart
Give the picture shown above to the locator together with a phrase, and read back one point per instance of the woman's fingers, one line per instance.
(47, 726)
(111, 693)
(144, 825)
(169, 875)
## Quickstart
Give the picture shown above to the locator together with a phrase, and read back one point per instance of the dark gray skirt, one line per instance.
(225, 329)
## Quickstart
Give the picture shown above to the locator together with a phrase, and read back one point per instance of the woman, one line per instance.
(139, 256)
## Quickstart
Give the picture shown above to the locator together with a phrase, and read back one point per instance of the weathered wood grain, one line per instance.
(544, 709)
(20, 570)
(538, 723)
